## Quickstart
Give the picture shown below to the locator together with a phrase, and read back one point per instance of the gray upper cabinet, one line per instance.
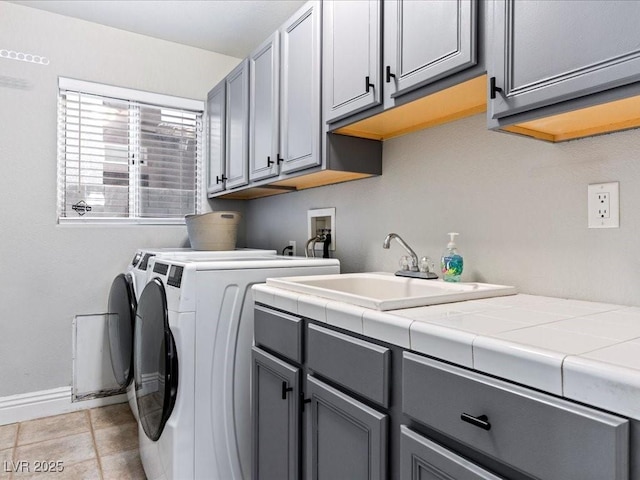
(426, 41)
(377, 51)
(264, 118)
(237, 126)
(300, 107)
(352, 36)
(547, 52)
(216, 138)
(275, 140)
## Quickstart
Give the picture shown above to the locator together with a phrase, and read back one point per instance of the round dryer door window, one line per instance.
(120, 319)
(155, 360)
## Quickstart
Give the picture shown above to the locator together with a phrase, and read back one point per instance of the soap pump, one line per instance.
(451, 262)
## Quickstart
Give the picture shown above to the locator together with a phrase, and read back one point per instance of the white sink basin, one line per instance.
(385, 291)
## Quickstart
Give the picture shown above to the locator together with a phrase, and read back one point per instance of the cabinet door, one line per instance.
(263, 111)
(216, 149)
(422, 459)
(348, 438)
(300, 89)
(275, 418)
(237, 126)
(426, 41)
(352, 53)
(548, 52)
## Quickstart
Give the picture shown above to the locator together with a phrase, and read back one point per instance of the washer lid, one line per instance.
(155, 361)
(121, 316)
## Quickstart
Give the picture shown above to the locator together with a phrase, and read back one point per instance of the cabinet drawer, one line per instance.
(541, 435)
(422, 459)
(278, 332)
(355, 364)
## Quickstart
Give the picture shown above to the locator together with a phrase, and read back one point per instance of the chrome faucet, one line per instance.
(414, 257)
(418, 268)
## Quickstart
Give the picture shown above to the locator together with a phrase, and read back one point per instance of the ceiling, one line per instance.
(231, 27)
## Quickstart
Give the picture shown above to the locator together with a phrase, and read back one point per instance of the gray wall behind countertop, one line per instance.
(519, 204)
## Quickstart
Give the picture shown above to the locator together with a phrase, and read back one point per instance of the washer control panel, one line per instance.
(175, 276)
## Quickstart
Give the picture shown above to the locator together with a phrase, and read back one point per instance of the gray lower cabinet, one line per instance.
(237, 126)
(348, 439)
(422, 459)
(278, 332)
(357, 365)
(344, 437)
(371, 411)
(586, 47)
(216, 107)
(545, 437)
(275, 418)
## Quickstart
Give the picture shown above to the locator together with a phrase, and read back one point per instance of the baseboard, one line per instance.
(46, 403)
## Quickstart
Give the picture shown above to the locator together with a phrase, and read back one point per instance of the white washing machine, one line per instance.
(192, 363)
(123, 298)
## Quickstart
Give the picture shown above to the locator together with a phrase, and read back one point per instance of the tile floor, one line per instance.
(101, 443)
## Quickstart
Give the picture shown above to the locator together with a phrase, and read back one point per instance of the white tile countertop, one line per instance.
(584, 351)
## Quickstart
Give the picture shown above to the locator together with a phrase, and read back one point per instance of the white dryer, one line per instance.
(192, 363)
(123, 298)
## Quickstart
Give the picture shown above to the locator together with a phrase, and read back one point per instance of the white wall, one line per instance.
(519, 205)
(51, 273)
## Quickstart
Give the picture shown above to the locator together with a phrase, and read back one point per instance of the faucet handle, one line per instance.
(426, 265)
(405, 262)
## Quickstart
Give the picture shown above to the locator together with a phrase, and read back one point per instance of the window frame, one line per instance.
(138, 97)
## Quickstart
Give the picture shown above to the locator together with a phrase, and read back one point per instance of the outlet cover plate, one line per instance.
(603, 205)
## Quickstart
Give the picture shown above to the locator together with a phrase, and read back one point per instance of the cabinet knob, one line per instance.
(481, 422)
(493, 89)
(285, 390)
(220, 179)
(388, 74)
(279, 159)
(269, 162)
(367, 84)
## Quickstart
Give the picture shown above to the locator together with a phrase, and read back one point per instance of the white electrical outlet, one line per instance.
(292, 250)
(603, 205)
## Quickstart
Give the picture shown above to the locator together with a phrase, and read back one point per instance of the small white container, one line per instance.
(213, 231)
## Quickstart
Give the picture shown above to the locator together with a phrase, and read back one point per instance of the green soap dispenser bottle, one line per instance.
(451, 262)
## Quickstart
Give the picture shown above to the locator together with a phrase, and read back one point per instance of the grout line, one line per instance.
(95, 445)
(15, 442)
(15, 450)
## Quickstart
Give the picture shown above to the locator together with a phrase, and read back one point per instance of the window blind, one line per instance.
(126, 160)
